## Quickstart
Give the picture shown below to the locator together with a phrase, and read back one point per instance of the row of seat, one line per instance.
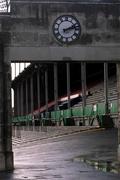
(75, 112)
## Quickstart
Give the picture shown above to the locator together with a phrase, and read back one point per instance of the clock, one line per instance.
(66, 29)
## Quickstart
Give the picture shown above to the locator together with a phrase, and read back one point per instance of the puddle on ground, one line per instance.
(106, 166)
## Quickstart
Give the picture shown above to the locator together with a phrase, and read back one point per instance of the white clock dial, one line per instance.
(66, 29)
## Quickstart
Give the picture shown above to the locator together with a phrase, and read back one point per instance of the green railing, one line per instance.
(88, 111)
(77, 112)
(114, 107)
(101, 108)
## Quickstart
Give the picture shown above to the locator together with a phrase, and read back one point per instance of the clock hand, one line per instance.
(69, 28)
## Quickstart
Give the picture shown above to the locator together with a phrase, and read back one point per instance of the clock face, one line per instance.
(66, 29)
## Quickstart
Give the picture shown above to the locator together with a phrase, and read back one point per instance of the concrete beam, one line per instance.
(76, 53)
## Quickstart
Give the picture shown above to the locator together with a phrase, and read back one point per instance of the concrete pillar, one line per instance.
(31, 95)
(68, 84)
(106, 87)
(21, 98)
(56, 86)
(118, 89)
(15, 101)
(46, 89)
(83, 81)
(38, 89)
(18, 100)
(26, 101)
(19, 68)
(6, 154)
(15, 70)
(24, 65)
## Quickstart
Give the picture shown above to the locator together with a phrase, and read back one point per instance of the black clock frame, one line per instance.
(66, 16)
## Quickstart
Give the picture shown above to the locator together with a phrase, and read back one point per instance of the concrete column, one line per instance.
(46, 89)
(21, 98)
(106, 87)
(15, 101)
(118, 89)
(68, 84)
(31, 96)
(15, 70)
(56, 86)
(19, 68)
(24, 65)
(38, 88)
(6, 154)
(18, 100)
(26, 89)
(83, 81)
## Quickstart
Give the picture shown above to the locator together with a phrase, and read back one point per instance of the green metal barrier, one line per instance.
(66, 116)
(114, 108)
(77, 112)
(29, 118)
(15, 119)
(58, 115)
(67, 113)
(22, 119)
(53, 116)
(101, 108)
(88, 110)
(95, 109)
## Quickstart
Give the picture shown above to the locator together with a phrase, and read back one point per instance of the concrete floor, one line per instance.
(61, 157)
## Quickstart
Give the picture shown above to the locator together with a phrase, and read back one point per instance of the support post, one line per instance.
(21, 99)
(46, 89)
(31, 95)
(68, 85)
(32, 100)
(6, 154)
(83, 81)
(15, 101)
(38, 89)
(15, 70)
(118, 89)
(18, 101)
(106, 87)
(55, 86)
(26, 89)
(19, 68)
(55, 89)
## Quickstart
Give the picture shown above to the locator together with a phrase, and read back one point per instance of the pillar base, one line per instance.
(6, 161)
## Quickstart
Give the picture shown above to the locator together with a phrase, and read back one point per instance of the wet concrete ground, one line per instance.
(65, 157)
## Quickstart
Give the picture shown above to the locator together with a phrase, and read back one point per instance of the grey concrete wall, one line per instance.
(30, 26)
